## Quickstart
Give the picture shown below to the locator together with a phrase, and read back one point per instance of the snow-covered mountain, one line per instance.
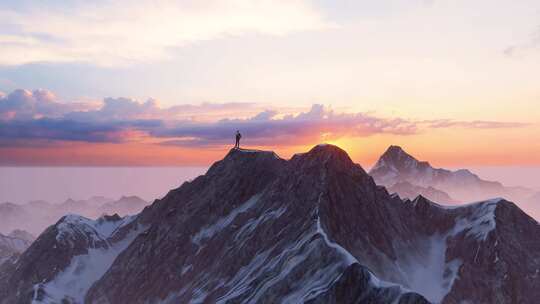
(259, 229)
(397, 166)
(35, 216)
(12, 245)
(67, 257)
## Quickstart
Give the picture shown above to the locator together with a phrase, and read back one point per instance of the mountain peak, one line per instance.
(323, 162)
(394, 160)
(245, 160)
(241, 152)
(441, 185)
(394, 149)
(397, 153)
(326, 152)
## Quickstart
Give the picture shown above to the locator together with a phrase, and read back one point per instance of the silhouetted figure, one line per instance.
(238, 136)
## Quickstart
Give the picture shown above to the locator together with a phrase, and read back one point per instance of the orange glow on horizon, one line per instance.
(441, 147)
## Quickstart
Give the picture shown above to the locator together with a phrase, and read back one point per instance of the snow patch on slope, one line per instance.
(252, 224)
(84, 270)
(267, 269)
(264, 273)
(273, 270)
(349, 258)
(425, 269)
(210, 231)
(480, 222)
(93, 230)
(424, 265)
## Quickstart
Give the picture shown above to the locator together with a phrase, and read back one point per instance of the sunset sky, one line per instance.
(160, 83)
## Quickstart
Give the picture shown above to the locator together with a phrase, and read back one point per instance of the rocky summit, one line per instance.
(260, 229)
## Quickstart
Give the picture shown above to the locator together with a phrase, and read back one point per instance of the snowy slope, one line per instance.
(73, 282)
(68, 258)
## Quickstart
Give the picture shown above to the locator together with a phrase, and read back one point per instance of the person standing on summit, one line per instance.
(238, 136)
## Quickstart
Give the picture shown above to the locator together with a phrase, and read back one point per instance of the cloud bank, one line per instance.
(111, 33)
(38, 119)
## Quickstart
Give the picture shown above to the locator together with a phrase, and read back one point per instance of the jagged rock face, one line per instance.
(396, 166)
(315, 229)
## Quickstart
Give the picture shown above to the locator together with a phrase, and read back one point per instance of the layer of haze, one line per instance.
(56, 184)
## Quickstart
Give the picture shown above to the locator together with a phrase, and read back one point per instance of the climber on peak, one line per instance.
(238, 136)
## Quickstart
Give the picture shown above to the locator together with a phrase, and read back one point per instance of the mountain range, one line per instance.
(260, 229)
(35, 216)
(403, 174)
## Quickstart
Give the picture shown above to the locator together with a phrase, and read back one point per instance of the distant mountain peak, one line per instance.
(396, 151)
(396, 166)
(393, 163)
(398, 158)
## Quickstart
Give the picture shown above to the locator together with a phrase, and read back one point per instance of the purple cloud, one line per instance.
(25, 105)
(38, 117)
(319, 123)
